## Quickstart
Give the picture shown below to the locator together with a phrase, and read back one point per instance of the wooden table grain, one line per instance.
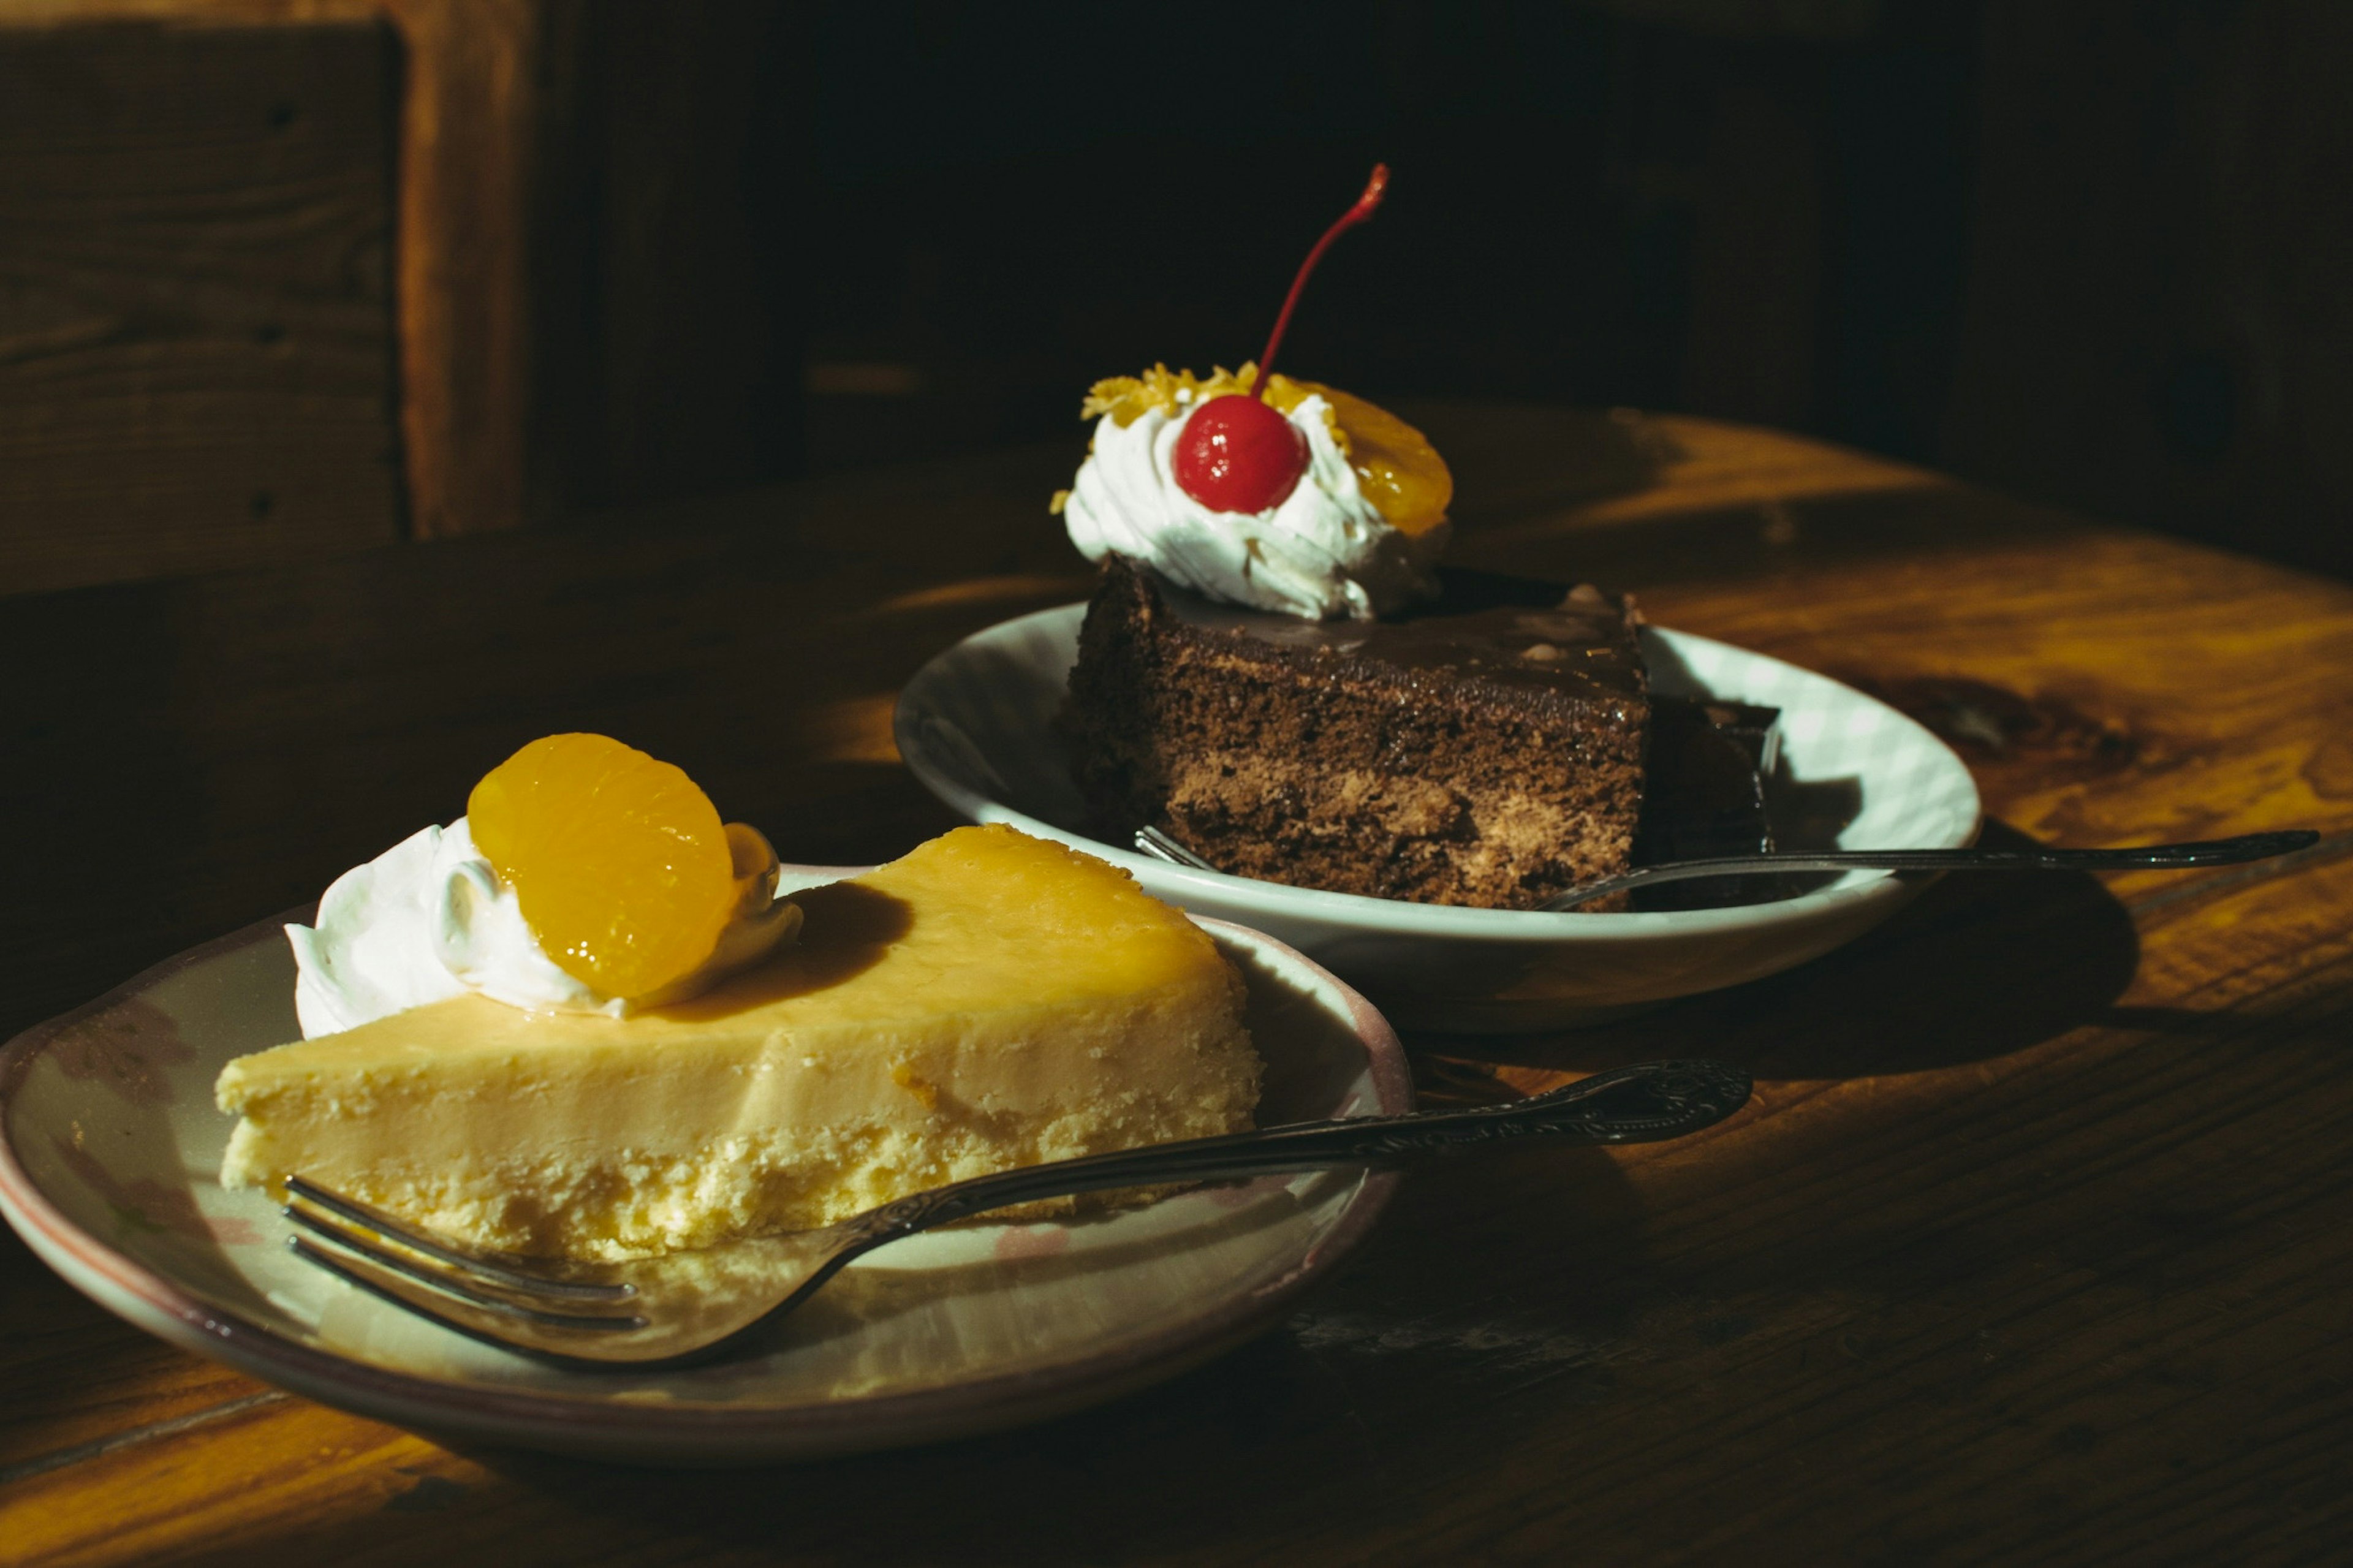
(2033, 1249)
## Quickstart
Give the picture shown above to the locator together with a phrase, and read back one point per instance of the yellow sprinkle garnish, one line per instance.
(1127, 398)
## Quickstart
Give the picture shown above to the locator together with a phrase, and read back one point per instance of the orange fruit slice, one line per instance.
(622, 868)
(1398, 468)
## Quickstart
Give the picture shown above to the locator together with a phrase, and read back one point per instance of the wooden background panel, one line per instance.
(674, 245)
(196, 312)
(2158, 304)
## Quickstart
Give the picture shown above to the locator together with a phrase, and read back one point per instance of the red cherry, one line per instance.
(1239, 455)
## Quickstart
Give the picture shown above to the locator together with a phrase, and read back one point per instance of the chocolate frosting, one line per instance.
(1577, 644)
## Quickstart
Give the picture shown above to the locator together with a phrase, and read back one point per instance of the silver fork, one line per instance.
(690, 1306)
(2203, 852)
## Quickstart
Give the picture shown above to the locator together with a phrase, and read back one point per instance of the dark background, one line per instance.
(2097, 252)
(2094, 252)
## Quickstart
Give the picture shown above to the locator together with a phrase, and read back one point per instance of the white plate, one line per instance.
(976, 724)
(110, 1147)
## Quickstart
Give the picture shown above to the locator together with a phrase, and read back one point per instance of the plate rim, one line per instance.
(524, 1416)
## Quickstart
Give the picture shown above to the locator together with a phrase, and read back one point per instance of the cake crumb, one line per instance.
(906, 1078)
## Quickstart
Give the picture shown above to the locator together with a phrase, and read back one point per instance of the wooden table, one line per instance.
(2033, 1248)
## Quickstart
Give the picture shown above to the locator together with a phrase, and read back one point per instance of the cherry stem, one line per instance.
(1375, 188)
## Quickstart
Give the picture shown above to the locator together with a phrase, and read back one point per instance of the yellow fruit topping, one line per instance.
(1399, 472)
(623, 870)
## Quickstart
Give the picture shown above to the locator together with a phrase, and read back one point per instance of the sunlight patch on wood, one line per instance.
(990, 590)
(854, 730)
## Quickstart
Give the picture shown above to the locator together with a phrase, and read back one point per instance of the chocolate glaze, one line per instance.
(1574, 647)
(1704, 794)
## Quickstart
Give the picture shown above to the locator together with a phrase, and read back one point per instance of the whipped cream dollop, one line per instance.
(428, 920)
(1324, 552)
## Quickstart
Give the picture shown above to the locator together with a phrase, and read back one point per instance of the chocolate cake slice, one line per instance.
(1704, 798)
(1486, 749)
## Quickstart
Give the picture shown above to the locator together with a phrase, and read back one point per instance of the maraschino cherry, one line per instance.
(1237, 453)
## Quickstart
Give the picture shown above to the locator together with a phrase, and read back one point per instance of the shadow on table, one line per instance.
(1589, 457)
(1457, 1316)
(1979, 966)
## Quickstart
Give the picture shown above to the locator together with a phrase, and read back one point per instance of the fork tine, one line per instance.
(375, 1221)
(304, 1249)
(487, 1294)
(413, 1302)
(1153, 842)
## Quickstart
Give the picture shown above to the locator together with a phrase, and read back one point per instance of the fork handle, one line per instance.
(1628, 1105)
(2205, 852)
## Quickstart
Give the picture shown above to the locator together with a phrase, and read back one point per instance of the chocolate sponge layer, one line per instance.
(1482, 752)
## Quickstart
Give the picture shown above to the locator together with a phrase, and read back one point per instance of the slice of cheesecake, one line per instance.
(989, 1001)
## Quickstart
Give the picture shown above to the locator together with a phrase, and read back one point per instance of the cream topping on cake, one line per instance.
(430, 920)
(1324, 552)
